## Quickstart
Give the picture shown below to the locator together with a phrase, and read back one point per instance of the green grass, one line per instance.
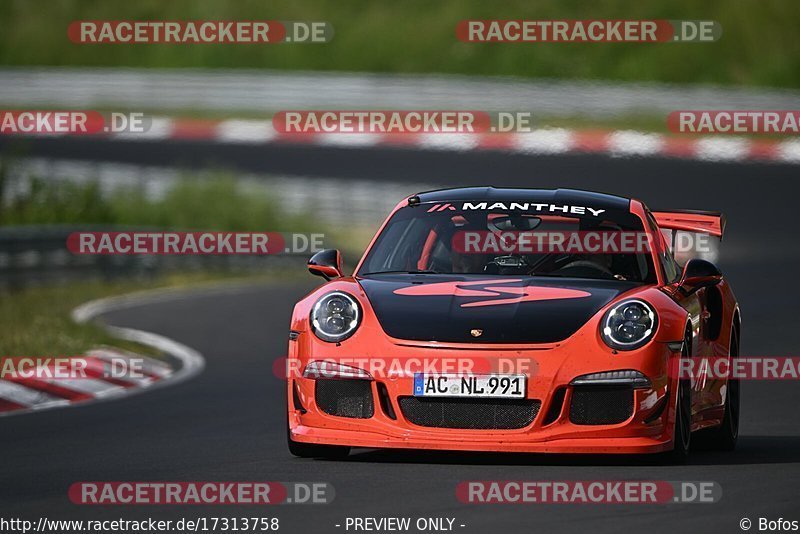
(213, 203)
(759, 45)
(209, 202)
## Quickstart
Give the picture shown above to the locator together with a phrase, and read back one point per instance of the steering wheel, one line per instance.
(502, 263)
(579, 265)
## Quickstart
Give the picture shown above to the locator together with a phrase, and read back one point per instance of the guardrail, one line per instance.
(268, 91)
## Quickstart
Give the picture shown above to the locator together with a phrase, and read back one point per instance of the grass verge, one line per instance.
(759, 44)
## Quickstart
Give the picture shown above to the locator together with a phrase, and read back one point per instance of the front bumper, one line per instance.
(648, 428)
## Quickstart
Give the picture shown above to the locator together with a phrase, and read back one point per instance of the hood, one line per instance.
(480, 309)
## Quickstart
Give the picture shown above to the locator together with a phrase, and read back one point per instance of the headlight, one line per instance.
(335, 317)
(629, 325)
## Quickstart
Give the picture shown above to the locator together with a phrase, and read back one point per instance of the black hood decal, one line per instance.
(480, 309)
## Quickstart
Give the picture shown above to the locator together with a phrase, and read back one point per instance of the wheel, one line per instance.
(725, 436)
(683, 418)
(311, 450)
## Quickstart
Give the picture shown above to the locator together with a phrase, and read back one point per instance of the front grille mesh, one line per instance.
(345, 398)
(601, 405)
(474, 414)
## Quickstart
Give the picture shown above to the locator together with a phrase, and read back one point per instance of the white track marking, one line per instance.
(246, 131)
(545, 141)
(633, 143)
(721, 149)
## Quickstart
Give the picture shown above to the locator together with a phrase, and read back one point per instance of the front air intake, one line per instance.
(345, 397)
(601, 405)
(473, 414)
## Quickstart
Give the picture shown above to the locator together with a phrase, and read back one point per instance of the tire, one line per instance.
(725, 436)
(311, 450)
(683, 418)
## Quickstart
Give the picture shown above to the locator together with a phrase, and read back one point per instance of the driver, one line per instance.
(469, 262)
(601, 261)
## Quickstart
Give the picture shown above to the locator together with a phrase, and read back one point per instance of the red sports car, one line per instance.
(517, 320)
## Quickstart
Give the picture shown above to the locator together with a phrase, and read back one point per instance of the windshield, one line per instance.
(601, 244)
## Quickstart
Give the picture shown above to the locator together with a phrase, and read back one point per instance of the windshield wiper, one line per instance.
(420, 271)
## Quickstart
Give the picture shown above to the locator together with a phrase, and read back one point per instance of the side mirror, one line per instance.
(698, 274)
(326, 263)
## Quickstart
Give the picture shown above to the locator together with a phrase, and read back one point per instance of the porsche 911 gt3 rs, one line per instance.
(460, 331)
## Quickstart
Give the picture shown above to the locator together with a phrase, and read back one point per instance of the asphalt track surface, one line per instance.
(228, 423)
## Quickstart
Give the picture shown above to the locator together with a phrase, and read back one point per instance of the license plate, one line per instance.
(478, 386)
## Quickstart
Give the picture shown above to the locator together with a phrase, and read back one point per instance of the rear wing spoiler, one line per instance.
(705, 222)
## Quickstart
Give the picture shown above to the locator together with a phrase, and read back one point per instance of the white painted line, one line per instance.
(89, 310)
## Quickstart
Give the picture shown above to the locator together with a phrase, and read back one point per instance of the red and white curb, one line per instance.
(544, 141)
(38, 393)
(24, 395)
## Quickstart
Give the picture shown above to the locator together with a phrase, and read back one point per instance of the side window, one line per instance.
(665, 257)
